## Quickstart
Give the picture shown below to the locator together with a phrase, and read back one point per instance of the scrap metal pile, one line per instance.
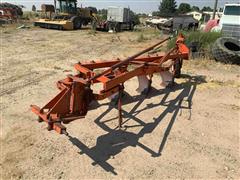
(76, 94)
(9, 12)
(17, 9)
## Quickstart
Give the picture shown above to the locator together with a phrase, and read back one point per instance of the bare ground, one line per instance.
(162, 137)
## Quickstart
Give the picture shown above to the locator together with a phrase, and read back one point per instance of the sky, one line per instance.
(138, 6)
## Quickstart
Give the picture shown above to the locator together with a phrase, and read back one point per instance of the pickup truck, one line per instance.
(230, 21)
(227, 48)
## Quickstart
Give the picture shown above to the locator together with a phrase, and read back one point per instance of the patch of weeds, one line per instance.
(92, 32)
(230, 83)
(141, 38)
(57, 68)
(27, 15)
(217, 82)
(137, 29)
(156, 33)
(234, 107)
(7, 32)
(205, 40)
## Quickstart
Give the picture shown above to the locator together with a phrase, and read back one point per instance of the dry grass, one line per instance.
(147, 34)
(157, 128)
(216, 74)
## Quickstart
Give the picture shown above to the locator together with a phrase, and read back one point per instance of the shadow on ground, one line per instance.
(112, 143)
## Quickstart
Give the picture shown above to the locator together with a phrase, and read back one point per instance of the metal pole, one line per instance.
(55, 6)
(215, 9)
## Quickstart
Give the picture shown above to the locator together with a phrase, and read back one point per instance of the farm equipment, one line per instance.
(76, 94)
(16, 10)
(9, 12)
(68, 16)
(118, 19)
(181, 22)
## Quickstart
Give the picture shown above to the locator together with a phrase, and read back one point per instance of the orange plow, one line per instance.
(76, 94)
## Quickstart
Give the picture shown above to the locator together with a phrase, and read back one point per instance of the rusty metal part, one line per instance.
(75, 91)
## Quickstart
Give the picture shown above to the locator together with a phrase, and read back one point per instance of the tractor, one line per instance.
(67, 16)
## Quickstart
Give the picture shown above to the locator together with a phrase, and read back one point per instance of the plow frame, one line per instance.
(75, 91)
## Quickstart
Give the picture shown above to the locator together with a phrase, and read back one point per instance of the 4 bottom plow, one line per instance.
(76, 94)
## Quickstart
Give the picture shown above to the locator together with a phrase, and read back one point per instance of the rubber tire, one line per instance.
(77, 22)
(223, 54)
(118, 27)
(106, 27)
(131, 27)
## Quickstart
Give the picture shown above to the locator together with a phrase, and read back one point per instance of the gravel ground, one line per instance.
(161, 138)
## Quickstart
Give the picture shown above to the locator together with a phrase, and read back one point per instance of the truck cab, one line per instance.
(230, 21)
(67, 6)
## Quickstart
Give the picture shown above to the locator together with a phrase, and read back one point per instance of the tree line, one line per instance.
(169, 8)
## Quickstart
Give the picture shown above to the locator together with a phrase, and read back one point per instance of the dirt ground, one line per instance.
(190, 131)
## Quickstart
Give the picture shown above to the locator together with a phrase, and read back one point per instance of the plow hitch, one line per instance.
(72, 102)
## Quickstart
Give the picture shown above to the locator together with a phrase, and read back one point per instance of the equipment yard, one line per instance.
(188, 131)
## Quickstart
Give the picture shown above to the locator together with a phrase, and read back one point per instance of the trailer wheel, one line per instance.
(118, 27)
(77, 22)
(131, 27)
(227, 50)
(106, 27)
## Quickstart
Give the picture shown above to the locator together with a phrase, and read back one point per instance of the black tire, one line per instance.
(227, 50)
(131, 28)
(77, 22)
(58, 17)
(118, 27)
(110, 26)
(106, 27)
(177, 68)
(85, 22)
(159, 27)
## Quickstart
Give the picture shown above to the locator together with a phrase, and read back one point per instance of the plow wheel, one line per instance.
(177, 68)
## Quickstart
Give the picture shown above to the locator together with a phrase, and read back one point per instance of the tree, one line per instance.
(93, 9)
(207, 8)
(184, 8)
(167, 7)
(34, 8)
(144, 15)
(195, 8)
(134, 17)
(155, 13)
(103, 13)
